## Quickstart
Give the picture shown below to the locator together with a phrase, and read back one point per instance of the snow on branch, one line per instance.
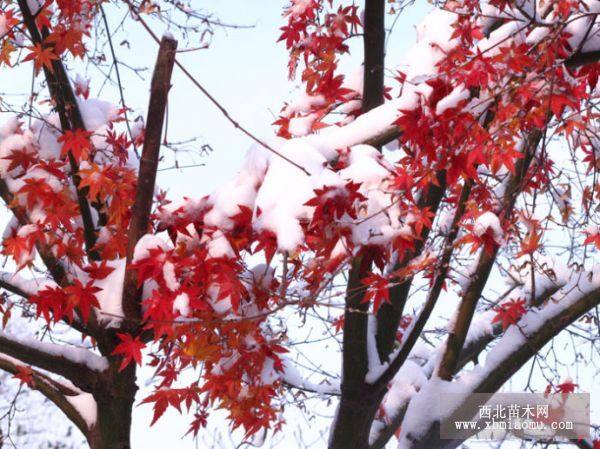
(73, 403)
(482, 332)
(517, 345)
(536, 328)
(7, 282)
(78, 365)
(293, 378)
(18, 285)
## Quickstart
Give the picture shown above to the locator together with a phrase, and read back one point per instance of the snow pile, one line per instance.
(74, 354)
(405, 384)
(293, 377)
(488, 221)
(147, 243)
(181, 305)
(111, 293)
(29, 286)
(85, 404)
(426, 407)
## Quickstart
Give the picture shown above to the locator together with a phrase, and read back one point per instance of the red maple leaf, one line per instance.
(98, 271)
(593, 237)
(131, 350)
(81, 296)
(25, 375)
(509, 312)
(566, 387)
(200, 420)
(378, 290)
(77, 143)
(41, 57)
(267, 241)
(20, 158)
(530, 243)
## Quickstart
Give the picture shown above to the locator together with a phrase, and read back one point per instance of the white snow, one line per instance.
(452, 100)
(181, 305)
(111, 295)
(372, 354)
(145, 244)
(488, 220)
(85, 404)
(3, 25)
(74, 354)
(292, 376)
(170, 277)
(35, 5)
(29, 286)
(407, 381)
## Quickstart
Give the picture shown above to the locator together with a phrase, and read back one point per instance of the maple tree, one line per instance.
(379, 203)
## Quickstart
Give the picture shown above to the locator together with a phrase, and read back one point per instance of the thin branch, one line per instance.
(468, 304)
(213, 100)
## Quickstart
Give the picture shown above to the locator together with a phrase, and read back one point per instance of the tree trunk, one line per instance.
(359, 401)
(352, 424)
(115, 407)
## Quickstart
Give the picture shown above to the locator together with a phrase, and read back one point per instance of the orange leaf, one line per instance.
(41, 57)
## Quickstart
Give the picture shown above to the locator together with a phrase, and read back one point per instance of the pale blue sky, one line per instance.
(246, 70)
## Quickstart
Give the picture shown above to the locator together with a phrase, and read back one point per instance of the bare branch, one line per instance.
(161, 83)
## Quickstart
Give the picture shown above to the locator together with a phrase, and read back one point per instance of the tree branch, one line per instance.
(374, 54)
(11, 287)
(466, 309)
(471, 350)
(533, 340)
(78, 365)
(389, 315)
(355, 411)
(54, 391)
(161, 83)
(70, 118)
